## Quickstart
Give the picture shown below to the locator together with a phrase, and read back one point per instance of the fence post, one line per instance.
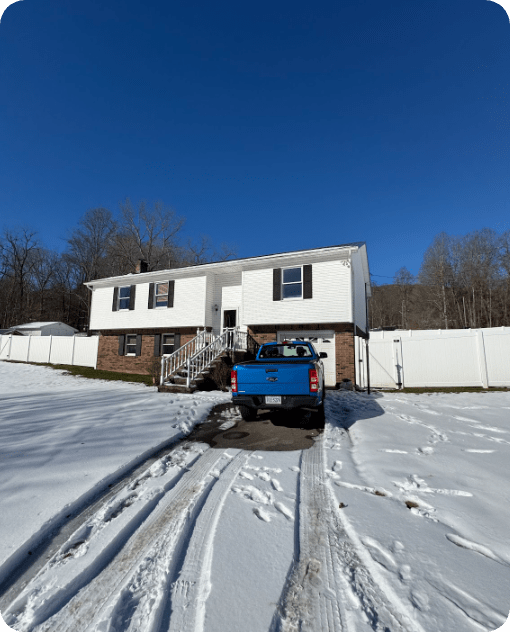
(49, 351)
(482, 359)
(398, 362)
(28, 348)
(72, 354)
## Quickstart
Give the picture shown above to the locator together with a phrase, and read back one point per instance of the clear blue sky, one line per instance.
(272, 125)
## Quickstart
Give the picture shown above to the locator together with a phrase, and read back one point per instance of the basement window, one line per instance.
(167, 344)
(131, 344)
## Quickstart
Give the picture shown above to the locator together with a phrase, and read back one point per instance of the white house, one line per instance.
(43, 329)
(318, 294)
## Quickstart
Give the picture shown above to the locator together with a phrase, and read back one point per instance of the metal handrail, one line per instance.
(228, 340)
(171, 363)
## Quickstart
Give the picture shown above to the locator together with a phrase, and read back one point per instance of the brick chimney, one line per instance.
(141, 266)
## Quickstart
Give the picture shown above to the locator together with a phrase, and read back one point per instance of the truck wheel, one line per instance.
(248, 414)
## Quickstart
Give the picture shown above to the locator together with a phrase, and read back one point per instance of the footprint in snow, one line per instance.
(405, 572)
(419, 600)
(380, 554)
(276, 485)
(284, 510)
(262, 514)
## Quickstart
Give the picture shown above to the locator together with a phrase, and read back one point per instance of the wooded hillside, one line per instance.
(37, 284)
(464, 281)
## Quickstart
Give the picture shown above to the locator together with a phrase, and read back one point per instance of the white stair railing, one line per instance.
(170, 364)
(198, 363)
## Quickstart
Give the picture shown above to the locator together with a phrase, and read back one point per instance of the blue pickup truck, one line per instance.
(284, 375)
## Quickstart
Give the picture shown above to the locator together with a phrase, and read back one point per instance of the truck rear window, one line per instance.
(286, 351)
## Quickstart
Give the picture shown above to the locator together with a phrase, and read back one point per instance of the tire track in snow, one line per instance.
(334, 584)
(192, 588)
(142, 561)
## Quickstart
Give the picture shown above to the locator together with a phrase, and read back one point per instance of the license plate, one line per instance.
(273, 399)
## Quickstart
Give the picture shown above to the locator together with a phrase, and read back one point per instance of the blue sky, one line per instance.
(273, 126)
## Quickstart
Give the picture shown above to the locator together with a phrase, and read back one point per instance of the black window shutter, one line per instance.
(157, 344)
(171, 292)
(151, 296)
(277, 284)
(132, 293)
(307, 281)
(177, 341)
(122, 344)
(115, 304)
(138, 344)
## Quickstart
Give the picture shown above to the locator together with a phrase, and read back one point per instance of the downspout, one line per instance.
(366, 341)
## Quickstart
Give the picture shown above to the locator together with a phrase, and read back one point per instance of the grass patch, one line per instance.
(95, 374)
(453, 389)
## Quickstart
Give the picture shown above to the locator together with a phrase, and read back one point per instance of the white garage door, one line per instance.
(322, 341)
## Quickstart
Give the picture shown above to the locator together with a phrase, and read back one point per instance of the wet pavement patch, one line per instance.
(272, 430)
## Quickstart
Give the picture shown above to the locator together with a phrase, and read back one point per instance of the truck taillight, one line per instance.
(233, 381)
(314, 380)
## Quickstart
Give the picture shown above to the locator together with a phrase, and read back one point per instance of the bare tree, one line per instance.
(17, 250)
(404, 281)
(149, 234)
(90, 243)
(195, 253)
(436, 273)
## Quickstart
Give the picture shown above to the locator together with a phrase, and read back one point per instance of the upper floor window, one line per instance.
(124, 296)
(292, 283)
(161, 294)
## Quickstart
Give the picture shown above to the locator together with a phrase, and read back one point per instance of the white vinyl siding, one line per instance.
(331, 302)
(227, 295)
(188, 311)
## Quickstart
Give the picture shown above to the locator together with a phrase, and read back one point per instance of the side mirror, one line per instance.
(323, 354)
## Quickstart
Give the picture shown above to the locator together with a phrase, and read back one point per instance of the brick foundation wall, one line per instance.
(108, 358)
(344, 342)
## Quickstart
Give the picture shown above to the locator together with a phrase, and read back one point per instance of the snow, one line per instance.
(397, 518)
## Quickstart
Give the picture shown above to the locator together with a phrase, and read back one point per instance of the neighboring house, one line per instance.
(318, 294)
(42, 329)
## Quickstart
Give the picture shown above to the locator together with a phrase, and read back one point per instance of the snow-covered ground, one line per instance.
(396, 520)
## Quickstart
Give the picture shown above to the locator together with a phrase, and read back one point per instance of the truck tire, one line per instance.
(247, 413)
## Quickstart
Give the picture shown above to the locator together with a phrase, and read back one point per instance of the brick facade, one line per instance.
(344, 342)
(108, 358)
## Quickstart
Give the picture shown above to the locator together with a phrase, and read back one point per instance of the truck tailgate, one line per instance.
(274, 378)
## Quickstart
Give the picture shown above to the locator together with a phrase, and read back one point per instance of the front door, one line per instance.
(229, 318)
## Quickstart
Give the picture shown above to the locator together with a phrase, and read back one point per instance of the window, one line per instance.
(130, 344)
(161, 294)
(292, 286)
(167, 344)
(124, 297)
(286, 351)
(292, 283)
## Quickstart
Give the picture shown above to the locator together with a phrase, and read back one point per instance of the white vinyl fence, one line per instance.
(77, 350)
(441, 357)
